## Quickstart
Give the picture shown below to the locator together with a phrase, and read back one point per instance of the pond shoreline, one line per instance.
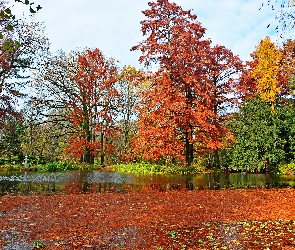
(28, 183)
(200, 219)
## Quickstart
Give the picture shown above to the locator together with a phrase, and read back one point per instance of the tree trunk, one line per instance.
(216, 162)
(101, 149)
(189, 152)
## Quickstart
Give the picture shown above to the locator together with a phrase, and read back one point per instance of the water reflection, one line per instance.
(23, 183)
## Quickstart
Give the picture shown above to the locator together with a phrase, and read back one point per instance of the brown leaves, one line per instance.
(162, 219)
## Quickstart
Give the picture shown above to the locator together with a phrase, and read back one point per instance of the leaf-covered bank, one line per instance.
(219, 219)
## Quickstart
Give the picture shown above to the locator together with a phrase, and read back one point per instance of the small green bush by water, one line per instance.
(287, 169)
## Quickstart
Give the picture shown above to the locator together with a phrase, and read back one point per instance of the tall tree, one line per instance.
(176, 112)
(94, 108)
(266, 73)
(17, 65)
(269, 72)
(55, 88)
(129, 85)
(223, 70)
(264, 138)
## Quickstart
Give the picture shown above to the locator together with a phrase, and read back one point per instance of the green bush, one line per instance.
(287, 169)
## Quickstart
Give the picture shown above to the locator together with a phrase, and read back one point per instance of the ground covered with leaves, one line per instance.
(204, 219)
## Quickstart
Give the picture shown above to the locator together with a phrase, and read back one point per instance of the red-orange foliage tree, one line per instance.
(177, 111)
(94, 109)
(223, 70)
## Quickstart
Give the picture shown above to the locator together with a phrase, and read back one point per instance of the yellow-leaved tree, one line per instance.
(267, 71)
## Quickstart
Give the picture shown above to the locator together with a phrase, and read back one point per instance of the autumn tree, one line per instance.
(269, 72)
(130, 82)
(18, 65)
(266, 72)
(223, 70)
(78, 90)
(176, 113)
(48, 106)
(95, 108)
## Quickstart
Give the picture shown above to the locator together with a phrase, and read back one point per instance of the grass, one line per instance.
(150, 168)
(49, 167)
(142, 168)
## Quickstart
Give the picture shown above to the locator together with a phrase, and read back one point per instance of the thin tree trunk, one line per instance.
(188, 150)
(102, 149)
(216, 159)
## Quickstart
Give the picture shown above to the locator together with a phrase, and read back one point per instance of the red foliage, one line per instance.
(93, 110)
(223, 70)
(179, 112)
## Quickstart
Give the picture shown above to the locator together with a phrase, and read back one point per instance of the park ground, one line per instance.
(151, 219)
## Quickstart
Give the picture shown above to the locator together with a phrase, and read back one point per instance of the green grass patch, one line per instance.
(150, 168)
(49, 167)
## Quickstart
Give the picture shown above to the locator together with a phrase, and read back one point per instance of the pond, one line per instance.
(25, 183)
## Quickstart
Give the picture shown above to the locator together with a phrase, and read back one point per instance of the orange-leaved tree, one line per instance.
(94, 110)
(223, 70)
(176, 111)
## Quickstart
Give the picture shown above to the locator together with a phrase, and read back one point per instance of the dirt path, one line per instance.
(206, 219)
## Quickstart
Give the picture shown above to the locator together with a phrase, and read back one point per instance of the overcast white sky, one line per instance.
(113, 26)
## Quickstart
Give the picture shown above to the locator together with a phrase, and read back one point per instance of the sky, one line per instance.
(113, 26)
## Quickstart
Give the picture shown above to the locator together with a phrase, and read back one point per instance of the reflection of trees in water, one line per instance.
(236, 180)
(160, 183)
(8, 187)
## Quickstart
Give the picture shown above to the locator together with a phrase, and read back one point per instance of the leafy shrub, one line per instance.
(287, 169)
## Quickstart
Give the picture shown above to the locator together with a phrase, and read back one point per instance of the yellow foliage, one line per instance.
(129, 72)
(266, 72)
(135, 77)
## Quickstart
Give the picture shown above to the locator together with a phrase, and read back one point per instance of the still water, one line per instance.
(24, 183)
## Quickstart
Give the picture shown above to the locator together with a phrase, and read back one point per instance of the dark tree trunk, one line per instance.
(216, 159)
(102, 149)
(189, 150)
